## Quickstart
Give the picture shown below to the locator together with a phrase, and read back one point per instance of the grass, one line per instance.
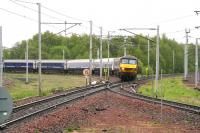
(173, 89)
(15, 84)
(72, 128)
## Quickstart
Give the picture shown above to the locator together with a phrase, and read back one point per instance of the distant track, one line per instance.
(180, 106)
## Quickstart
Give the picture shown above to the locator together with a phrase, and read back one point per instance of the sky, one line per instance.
(19, 18)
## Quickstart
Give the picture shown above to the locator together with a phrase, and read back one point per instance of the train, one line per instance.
(125, 67)
(128, 67)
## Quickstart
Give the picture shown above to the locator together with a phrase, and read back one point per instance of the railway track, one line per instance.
(181, 106)
(28, 110)
(28, 105)
(37, 107)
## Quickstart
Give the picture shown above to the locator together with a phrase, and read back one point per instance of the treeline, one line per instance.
(77, 47)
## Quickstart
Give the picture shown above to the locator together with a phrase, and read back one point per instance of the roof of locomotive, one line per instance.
(128, 57)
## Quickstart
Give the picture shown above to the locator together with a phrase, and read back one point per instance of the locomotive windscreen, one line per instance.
(129, 61)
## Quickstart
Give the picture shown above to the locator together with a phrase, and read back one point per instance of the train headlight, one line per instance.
(123, 68)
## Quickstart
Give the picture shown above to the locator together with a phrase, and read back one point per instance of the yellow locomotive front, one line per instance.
(128, 67)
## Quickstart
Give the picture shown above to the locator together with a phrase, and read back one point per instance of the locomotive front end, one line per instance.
(128, 68)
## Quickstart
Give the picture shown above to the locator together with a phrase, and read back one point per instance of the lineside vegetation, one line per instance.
(51, 83)
(173, 89)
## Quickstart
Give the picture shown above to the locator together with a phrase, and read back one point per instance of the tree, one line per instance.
(77, 47)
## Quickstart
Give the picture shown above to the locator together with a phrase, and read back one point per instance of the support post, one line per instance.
(63, 54)
(124, 46)
(108, 55)
(157, 61)
(173, 60)
(39, 46)
(186, 56)
(90, 78)
(65, 27)
(1, 59)
(196, 64)
(98, 54)
(161, 105)
(148, 58)
(27, 62)
(101, 53)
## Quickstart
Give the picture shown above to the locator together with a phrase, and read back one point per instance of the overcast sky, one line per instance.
(173, 16)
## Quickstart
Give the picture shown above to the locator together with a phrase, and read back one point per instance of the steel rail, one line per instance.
(78, 94)
(78, 89)
(180, 106)
(83, 92)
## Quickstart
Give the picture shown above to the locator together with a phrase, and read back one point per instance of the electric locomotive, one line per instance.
(128, 67)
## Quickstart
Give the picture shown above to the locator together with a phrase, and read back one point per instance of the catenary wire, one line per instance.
(27, 2)
(23, 16)
(52, 10)
(14, 1)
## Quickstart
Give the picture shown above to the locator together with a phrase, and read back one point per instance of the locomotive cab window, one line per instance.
(129, 61)
(132, 61)
(124, 61)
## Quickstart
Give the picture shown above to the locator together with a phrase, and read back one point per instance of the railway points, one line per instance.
(27, 110)
(140, 81)
(85, 93)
